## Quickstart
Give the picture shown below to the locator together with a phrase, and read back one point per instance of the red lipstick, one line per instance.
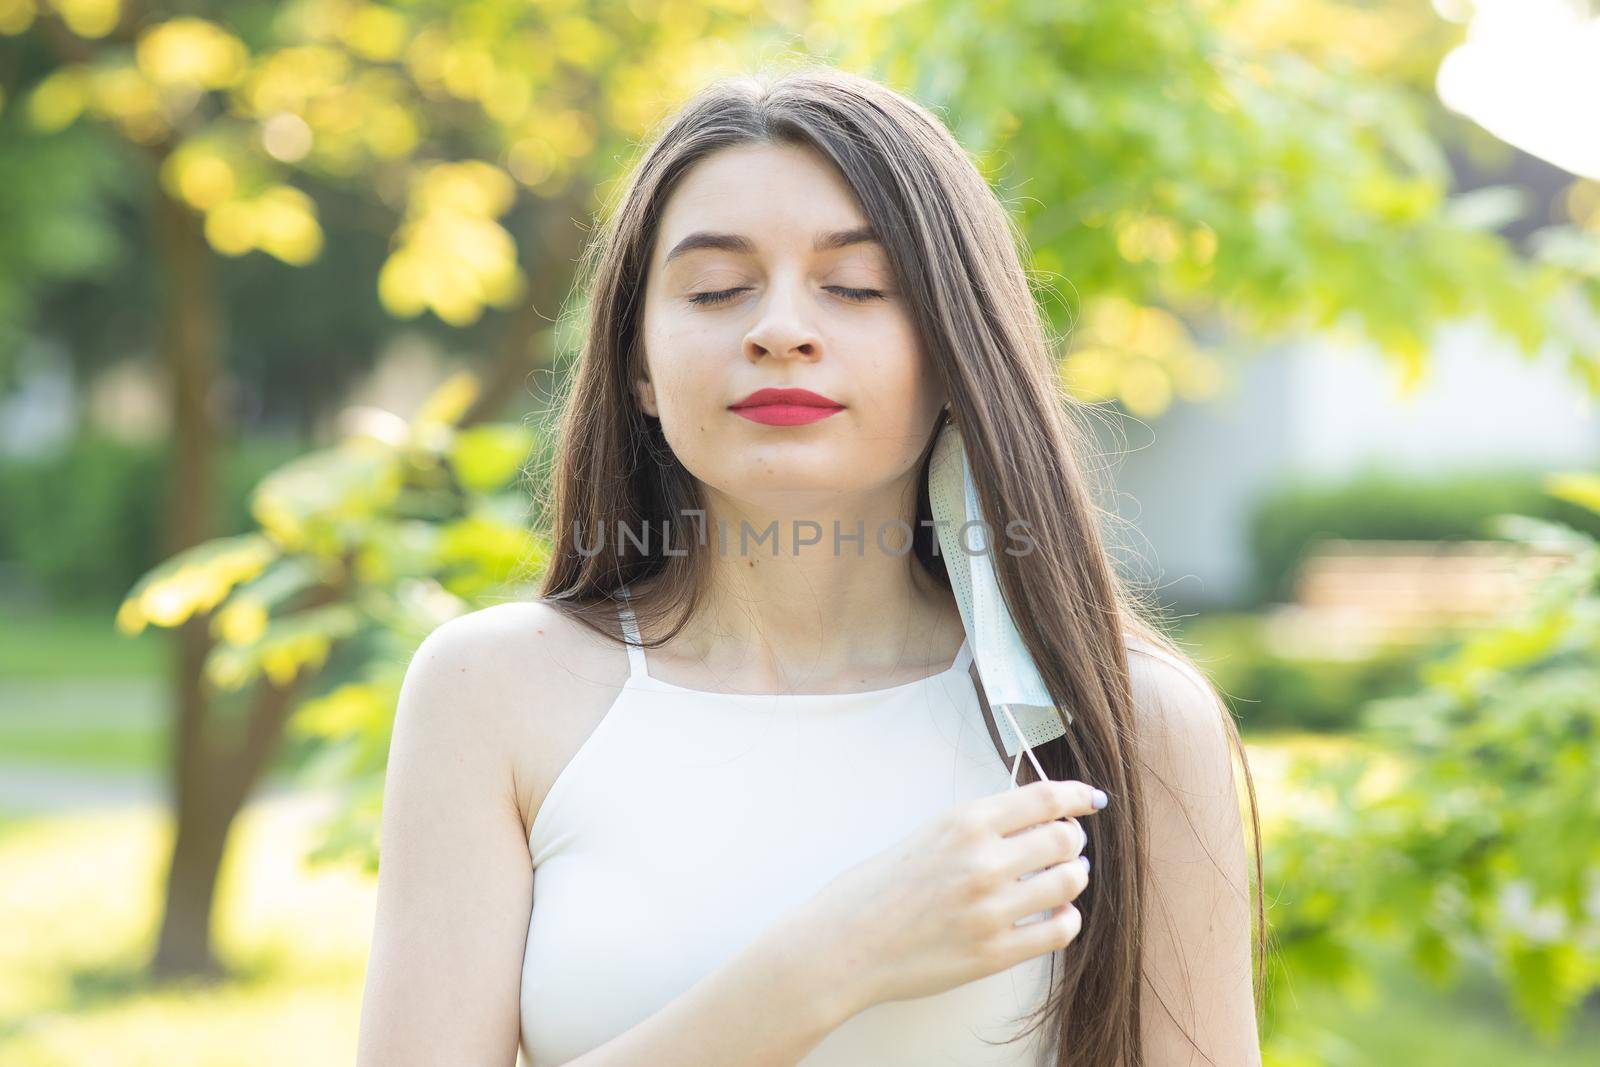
(785, 407)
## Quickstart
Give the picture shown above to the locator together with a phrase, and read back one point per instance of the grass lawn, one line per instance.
(75, 693)
(80, 899)
(78, 695)
(99, 724)
(76, 642)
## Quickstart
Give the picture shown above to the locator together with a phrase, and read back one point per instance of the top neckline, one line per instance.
(640, 674)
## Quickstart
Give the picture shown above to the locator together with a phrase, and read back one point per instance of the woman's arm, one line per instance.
(768, 1006)
(454, 877)
(1198, 1004)
(455, 888)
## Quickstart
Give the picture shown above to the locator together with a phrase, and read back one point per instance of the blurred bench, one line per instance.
(1352, 597)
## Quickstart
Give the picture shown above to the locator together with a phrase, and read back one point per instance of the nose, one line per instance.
(785, 327)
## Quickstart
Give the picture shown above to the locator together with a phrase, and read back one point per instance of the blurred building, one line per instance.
(1189, 480)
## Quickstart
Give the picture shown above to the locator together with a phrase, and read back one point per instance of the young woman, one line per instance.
(725, 794)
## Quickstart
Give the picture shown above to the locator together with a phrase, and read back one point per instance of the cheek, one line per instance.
(690, 380)
(677, 353)
(897, 385)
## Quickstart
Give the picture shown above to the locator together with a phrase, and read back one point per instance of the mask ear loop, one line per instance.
(994, 733)
(1027, 748)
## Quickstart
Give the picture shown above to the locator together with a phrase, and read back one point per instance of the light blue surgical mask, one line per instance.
(1023, 710)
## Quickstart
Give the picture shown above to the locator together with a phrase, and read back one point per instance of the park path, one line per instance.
(32, 788)
(58, 710)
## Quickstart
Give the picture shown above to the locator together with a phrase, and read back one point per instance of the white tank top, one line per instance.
(689, 821)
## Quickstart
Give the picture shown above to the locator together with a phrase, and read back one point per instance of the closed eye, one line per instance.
(860, 295)
(713, 298)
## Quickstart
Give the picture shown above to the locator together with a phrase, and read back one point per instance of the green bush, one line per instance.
(1466, 825)
(1375, 505)
(85, 522)
(1268, 690)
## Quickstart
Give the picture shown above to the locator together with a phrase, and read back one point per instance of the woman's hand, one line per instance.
(943, 907)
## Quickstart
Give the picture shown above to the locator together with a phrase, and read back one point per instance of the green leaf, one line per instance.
(486, 457)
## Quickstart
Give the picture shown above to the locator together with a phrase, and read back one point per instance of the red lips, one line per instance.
(785, 407)
(800, 397)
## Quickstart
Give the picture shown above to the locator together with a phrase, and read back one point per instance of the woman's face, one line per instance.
(745, 291)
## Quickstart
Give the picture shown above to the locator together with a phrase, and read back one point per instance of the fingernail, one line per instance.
(1085, 860)
(1100, 799)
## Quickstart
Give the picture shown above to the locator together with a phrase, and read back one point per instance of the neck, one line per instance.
(780, 613)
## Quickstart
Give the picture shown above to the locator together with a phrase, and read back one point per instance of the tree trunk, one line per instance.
(184, 945)
(213, 784)
(191, 336)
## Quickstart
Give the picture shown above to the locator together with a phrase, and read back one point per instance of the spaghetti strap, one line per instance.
(630, 630)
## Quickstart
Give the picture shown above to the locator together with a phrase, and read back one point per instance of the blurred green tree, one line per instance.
(360, 550)
(1207, 173)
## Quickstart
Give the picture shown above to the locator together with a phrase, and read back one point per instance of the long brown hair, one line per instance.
(956, 255)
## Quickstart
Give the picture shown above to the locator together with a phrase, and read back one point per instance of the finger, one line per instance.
(1055, 931)
(1070, 820)
(1044, 845)
(1037, 802)
(1045, 890)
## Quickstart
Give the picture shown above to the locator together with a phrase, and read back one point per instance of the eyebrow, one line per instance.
(740, 245)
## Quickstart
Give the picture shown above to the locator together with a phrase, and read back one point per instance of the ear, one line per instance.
(644, 392)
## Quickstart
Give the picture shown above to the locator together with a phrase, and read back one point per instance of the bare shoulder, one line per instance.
(1183, 730)
(521, 677)
(1179, 714)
